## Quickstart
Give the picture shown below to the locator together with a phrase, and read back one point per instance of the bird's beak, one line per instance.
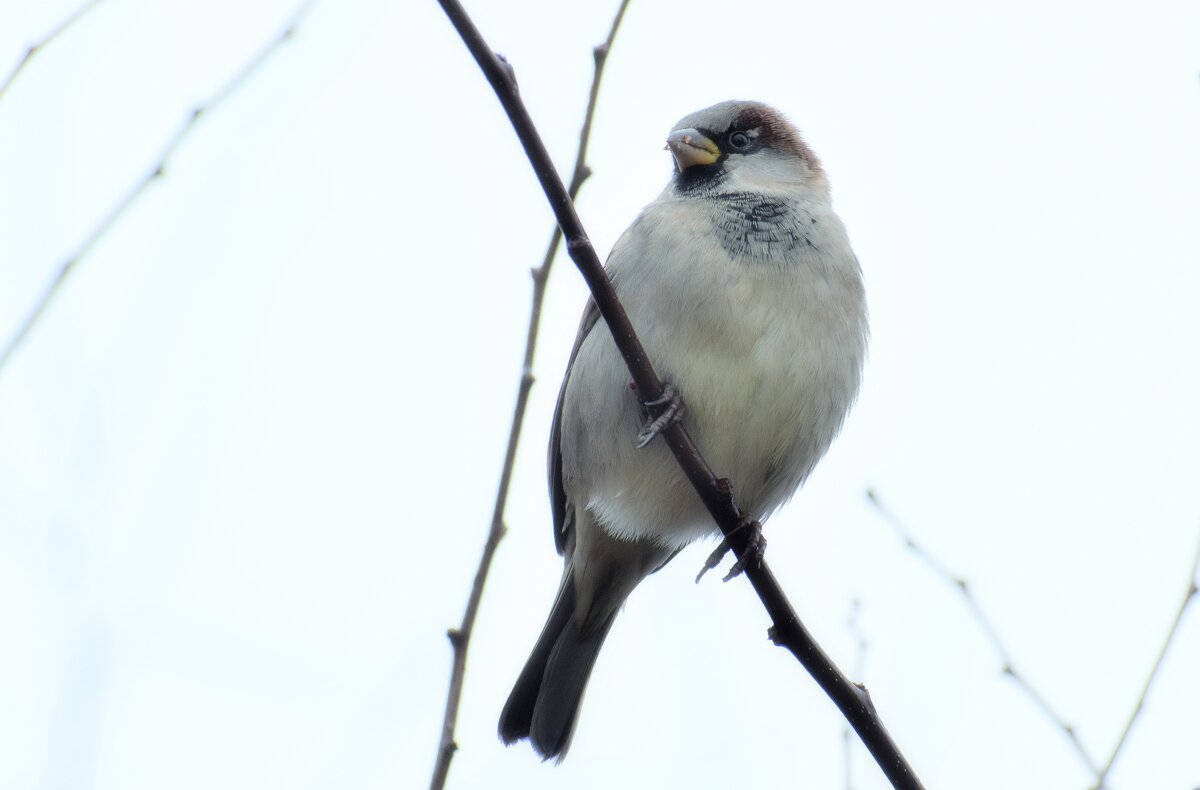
(692, 148)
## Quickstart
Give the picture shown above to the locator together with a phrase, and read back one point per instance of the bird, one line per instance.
(741, 283)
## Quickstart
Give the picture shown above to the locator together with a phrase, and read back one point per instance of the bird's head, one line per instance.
(742, 145)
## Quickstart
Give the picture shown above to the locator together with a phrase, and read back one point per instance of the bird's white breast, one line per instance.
(765, 349)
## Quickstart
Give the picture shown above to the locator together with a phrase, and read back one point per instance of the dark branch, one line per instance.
(460, 637)
(786, 629)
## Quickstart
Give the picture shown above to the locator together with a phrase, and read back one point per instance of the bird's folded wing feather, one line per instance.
(558, 495)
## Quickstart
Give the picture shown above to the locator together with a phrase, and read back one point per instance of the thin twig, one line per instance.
(860, 671)
(37, 46)
(155, 172)
(1192, 590)
(717, 495)
(460, 637)
(985, 625)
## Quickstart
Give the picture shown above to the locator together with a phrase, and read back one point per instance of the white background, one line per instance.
(248, 457)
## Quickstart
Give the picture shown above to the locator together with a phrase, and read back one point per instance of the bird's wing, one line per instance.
(558, 496)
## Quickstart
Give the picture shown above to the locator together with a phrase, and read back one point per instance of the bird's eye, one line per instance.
(740, 140)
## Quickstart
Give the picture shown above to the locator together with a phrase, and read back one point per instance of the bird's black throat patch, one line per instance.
(756, 226)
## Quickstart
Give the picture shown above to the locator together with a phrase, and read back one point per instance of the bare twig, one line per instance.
(37, 46)
(155, 172)
(1100, 773)
(1192, 589)
(860, 671)
(460, 637)
(717, 495)
(985, 625)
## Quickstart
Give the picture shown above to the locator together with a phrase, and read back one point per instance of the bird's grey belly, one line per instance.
(753, 406)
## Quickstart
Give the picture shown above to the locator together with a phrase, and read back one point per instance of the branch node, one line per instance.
(580, 242)
(509, 72)
(599, 53)
(455, 636)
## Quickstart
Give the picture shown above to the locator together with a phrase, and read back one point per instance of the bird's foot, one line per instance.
(666, 409)
(756, 547)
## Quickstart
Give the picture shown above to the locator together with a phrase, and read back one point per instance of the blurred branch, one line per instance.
(985, 625)
(1099, 772)
(38, 46)
(1192, 589)
(156, 171)
(717, 495)
(461, 636)
(860, 671)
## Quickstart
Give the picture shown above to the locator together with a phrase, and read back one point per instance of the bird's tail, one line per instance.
(544, 703)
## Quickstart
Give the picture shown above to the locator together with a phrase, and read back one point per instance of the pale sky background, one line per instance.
(248, 458)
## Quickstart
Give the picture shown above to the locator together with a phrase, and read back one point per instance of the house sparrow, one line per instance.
(740, 281)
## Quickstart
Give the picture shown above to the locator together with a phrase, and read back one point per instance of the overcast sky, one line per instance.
(248, 456)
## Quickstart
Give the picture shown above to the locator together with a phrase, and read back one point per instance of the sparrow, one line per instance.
(741, 283)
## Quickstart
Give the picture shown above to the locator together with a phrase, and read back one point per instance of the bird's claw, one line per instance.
(671, 405)
(756, 547)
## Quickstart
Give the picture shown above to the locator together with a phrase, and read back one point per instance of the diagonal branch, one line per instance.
(985, 625)
(1192, 590)
(155, 172)
(37, 46)
(1099, 772)
(461, 636)
(717, 496)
